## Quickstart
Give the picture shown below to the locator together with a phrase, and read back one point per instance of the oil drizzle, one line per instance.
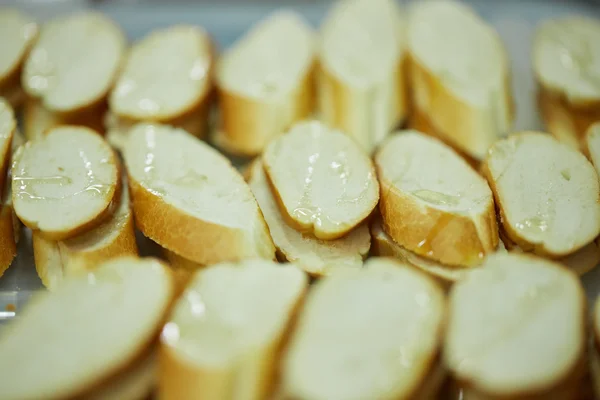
(426, 245)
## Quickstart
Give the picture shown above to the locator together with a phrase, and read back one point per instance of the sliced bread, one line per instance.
(547, 194)
(315, 256)
(190, 199)
(64, 183)
(60, 346)
(432, 202)
(500, 316)
(459, 75)
(265, 83)
(224, 335)
(373, 333)
(322, 180)
(361, 76)
(8, 129)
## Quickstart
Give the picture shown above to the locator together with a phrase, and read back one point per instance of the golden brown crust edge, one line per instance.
(8, 245)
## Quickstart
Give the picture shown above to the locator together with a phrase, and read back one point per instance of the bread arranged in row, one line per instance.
(265, 83)
(361, 76)
(167, 77)
(189, 199)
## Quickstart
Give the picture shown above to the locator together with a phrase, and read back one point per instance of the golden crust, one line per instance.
(8, 245)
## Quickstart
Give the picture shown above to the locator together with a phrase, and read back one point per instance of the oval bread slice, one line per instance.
(189, 199)
(130, 296)
(324, 183)
(361, 70)
(316, 257)
(372, 333)
(63, 184)
(547, 193)
(224, 334)
(498, 317)
(433, 203)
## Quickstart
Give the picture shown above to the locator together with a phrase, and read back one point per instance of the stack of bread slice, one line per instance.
(69, 72)
(167, 77)
(265, 83)
(130, 296)
(565, 64)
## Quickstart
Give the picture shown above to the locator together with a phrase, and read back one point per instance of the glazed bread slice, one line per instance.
(372, 333)
(128, 295)
(361, 76)
(500, 316)
(432, 202)
(324, 183)
(462, 86)
(547, 193)
(167, 77)
(8, 129)
(592, 145)
(224, 335)
(315, 256)
(64, 183)
(265, 83)
(190, 199)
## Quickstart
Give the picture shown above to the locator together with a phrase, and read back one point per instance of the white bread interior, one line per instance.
(190, 199)
(315, 256)
(8, 129)
(361, 77)
(592, 145)
(547, 193)
(64, 183)
(265, 82)
(433, 203)
(372, 333)
(463, 85)
(324, 183)
(500, 317)
(128, 295)
(223, 337)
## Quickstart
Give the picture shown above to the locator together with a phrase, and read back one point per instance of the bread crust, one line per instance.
(8, 244)
(6, 143)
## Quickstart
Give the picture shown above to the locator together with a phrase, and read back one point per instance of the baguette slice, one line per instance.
(189, 199)
(64, 183)
(265, 83)
(324, 183)
(372, 333)
(224, 335)
(361, 77)
(60, 345)
(316, 257)
(433, 203)
(459, 75)
(498, 317)
(547, 193)
(8, 129)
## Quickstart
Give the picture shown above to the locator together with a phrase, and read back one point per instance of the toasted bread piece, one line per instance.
(497, 338)
(265, 83)
(189, 199)
(432, 202)
(462, 86)
(324, 183)
(8, 128)
(64, 183)
(361, 76)
(592, 145)
(60, 345)
(372, 333)
(315, 256)
(224, 335)
(547, 193)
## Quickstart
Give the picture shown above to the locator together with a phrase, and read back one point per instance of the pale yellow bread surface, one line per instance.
(63, 184)
(432, 202)
(324, 183)
(265, 82)
(500, 317)
(385, 321)
(316, 257)
(74, 62)
(190, 199)
(129, 295)
(547, 193)
(8, 129)
(224, 335)
(18, 32)
(361, 76)
(592, 145)
(463, 85)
